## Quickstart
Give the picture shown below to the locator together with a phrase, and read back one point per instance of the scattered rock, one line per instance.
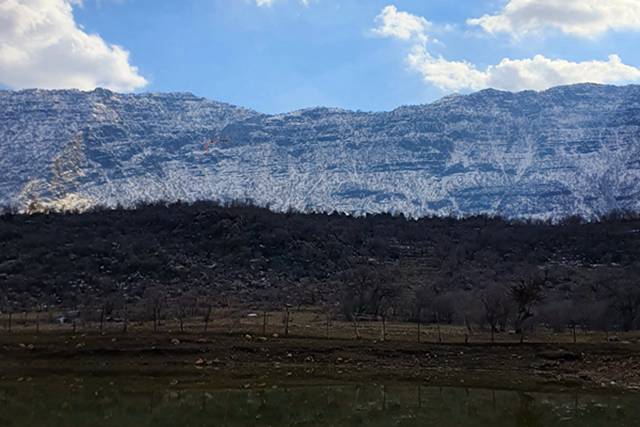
(560, 355)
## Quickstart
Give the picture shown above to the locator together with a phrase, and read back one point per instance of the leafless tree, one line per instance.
(185, 307)
(626, 301)
(155, 300)
(368, 291)
(496, 306)
(526, 295)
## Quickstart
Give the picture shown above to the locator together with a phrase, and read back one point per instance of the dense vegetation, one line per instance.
(475, 271)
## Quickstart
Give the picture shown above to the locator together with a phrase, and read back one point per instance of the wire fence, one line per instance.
(288, 323)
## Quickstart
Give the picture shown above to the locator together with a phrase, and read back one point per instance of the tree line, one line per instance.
(481, 272)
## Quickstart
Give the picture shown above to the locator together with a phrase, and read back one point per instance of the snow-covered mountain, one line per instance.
(569, 150)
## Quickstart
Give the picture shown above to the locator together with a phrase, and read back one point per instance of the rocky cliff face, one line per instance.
(569, 150)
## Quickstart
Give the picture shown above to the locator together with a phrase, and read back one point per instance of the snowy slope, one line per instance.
(569, 150)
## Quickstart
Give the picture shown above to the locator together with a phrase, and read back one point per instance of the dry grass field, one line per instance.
(235, 351)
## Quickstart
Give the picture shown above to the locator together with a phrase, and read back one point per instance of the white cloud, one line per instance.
(269, 3)
(446, 75)
(584, 18)
(401, 25)
(537, 73)
(42, 46)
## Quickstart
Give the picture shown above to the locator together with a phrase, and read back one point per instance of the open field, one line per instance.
(307, 322)
(234, 352)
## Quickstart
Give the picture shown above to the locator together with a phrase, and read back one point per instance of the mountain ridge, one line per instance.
(449, 97)
(570, 150)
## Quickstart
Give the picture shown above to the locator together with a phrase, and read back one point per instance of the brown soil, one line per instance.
(222, 360)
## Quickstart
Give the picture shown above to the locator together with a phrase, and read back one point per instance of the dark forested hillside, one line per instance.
(243, 255)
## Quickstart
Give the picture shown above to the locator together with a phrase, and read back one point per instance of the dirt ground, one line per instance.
(223, 359)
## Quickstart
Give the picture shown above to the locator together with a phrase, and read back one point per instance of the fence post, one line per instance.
(125, 323)
(264, 323)
(328, 324)
(286, 321)
(384, 327)
(355, 326)
(438, 328)
(156, 314)
(101, 320)
(206, 317)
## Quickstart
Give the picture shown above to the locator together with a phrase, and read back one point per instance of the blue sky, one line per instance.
(357, 54)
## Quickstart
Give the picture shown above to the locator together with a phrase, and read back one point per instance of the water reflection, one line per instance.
(108, 405)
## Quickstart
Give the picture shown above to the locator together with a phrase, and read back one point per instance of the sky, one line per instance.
(282, 55)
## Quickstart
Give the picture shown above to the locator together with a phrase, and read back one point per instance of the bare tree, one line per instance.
(526, 295)
(368, 291)
(185, 306)
(626, 302)
(155, 300)
(496, 305)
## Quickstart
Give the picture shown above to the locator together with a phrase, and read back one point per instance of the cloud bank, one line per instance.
(583, 18)
(537, 73)
(42, 46)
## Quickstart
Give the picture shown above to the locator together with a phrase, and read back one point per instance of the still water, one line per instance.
(80, 405)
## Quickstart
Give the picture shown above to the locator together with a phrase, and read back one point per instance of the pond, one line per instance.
(102, 403)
